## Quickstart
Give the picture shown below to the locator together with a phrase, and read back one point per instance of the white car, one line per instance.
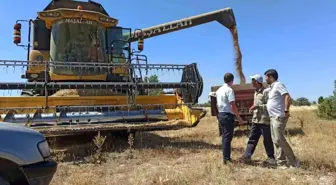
(24, 156)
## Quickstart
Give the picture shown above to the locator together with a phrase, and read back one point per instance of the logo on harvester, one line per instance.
(78, 21)
(168, 27)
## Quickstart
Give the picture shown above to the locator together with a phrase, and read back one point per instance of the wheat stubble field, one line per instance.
(193, 156)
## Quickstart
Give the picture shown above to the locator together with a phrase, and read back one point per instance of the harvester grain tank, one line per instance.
(83, 75)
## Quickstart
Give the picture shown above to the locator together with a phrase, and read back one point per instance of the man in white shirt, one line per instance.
(278, 109)
(227, 109)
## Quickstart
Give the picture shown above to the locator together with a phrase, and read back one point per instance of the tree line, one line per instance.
(327, 105)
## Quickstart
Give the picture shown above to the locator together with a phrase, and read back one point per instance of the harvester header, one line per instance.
(83, 75)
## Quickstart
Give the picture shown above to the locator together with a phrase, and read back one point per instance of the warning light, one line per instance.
(79, 7)
(17, 33)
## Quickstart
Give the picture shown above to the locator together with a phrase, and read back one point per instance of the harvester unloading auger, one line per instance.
(77, 48)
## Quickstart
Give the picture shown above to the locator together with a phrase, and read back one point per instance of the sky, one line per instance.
(297, 38)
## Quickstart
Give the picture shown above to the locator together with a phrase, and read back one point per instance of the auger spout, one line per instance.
(223, 16)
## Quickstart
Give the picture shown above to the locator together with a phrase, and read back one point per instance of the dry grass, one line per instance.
(193, 156)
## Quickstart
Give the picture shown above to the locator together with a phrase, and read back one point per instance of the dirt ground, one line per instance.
(193, 156)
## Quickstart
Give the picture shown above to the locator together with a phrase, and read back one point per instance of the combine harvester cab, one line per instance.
(83, 76)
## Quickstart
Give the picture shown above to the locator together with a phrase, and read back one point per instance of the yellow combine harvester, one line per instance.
(83, 75)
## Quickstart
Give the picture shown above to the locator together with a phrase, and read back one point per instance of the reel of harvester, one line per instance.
(137, 102)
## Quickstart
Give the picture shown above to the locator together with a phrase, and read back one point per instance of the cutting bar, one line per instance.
(90, 117)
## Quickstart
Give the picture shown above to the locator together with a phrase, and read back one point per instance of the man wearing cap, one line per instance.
(260, 123)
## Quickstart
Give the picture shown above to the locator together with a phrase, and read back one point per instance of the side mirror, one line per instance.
(17, 34)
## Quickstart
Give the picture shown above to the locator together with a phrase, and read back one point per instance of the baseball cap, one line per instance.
(257, 77)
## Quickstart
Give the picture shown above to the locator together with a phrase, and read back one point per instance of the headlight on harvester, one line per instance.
(44, 149)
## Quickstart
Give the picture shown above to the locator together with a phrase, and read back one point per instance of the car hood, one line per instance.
(21, 142)
(11, 127)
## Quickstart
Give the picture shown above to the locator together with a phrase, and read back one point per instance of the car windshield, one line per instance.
(78, 40)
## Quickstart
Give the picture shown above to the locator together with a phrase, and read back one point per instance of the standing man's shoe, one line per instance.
(269, 162)
(296, 165)
(245, 160)
(282, 167)
(227, 162)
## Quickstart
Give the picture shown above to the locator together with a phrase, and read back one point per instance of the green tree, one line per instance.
(335, 88)
(302, 101)
(293, 102)
(327, 108)
(320, 100)
(153, 79)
